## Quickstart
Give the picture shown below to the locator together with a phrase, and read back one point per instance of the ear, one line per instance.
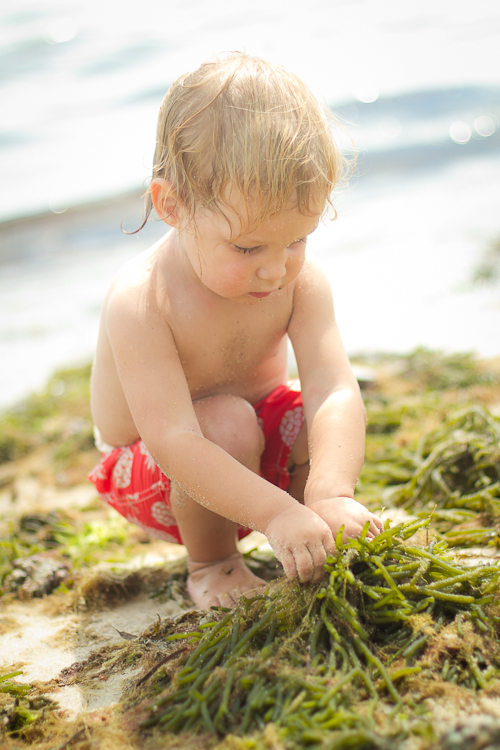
(166, 201)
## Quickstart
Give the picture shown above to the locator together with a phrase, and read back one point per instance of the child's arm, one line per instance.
(159, 400)
(334, 410)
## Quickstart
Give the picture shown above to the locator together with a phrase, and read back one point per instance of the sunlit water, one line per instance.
(81, 84)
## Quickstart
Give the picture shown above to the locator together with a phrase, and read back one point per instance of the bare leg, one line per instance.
(218, 575)
(298, 465)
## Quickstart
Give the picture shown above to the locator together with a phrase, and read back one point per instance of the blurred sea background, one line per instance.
(414, 256)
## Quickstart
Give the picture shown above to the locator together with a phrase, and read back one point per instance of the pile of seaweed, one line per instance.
(345, 664)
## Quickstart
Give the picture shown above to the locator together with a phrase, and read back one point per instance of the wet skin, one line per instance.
(195, 330)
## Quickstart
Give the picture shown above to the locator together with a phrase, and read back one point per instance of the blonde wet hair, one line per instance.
(240, 122)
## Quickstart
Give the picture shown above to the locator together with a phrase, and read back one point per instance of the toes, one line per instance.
(221, 584)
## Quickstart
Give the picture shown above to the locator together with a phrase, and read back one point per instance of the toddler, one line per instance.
(203, 437)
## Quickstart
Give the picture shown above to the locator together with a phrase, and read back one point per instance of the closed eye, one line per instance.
(251, 249)
(246, 249)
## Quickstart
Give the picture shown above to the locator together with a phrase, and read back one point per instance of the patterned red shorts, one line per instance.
(129, 480)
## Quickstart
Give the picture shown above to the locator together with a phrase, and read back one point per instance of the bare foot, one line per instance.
(222, 582)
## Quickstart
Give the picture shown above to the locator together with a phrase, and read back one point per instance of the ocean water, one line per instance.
(417, 85)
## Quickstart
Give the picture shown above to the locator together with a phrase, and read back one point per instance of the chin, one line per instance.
(238, 299)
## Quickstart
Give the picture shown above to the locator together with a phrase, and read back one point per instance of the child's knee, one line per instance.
(231, 423)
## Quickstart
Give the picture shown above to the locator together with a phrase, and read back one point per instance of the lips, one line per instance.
(261, 295)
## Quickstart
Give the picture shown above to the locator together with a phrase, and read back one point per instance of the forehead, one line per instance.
(243, 221)
(283, 228)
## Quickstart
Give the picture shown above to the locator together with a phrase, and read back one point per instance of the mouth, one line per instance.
(260, 295)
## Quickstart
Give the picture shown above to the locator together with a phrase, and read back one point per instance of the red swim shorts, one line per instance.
(129, 480)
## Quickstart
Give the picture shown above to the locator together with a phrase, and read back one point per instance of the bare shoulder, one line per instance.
(312, 295)
(311, 278)
(135, 289)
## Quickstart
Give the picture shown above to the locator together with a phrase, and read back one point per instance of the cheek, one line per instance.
(222, 265)
(237, 274)
(295, 264)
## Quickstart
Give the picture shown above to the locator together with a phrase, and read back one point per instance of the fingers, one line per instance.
(353, 530)
(289, 566)
(376, 526)
(298, 563)
(303, 555)
(301, 540)
(311, 561)
(305, 566)
(319, 568)
(378, 523)
(305, 563)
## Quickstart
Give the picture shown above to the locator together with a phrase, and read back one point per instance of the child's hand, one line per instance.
(344, 511)
(301, 541)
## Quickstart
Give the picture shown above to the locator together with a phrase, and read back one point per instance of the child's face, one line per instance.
(247, 266)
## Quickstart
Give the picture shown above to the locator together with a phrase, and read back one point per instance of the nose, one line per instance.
(274, 266)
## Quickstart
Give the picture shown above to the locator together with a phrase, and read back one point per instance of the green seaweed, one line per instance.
(434, 370)
(317, 660)
(459, 465)
(458, 478)
(60, 414)
(13, 688)
(77, 544)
